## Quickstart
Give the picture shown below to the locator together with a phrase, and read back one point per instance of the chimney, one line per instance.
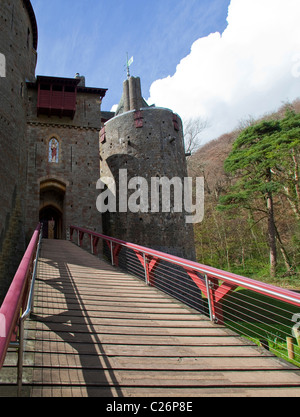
(132, 94)
(81, 78)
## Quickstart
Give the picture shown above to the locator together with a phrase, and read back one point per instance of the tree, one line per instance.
(265, 162)
(252, 162)
(193, 128)
(287, 153)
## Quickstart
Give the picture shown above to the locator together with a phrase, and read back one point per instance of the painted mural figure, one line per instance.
(51, 226)
(53, 151)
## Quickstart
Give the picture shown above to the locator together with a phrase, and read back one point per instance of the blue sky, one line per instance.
(92, 37)
(220, 60)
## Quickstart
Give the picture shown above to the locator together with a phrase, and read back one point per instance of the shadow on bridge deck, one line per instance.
(97, 331)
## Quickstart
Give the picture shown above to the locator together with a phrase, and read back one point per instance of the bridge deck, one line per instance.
(100, 332)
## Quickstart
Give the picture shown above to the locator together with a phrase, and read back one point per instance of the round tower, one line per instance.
(144, 146)
(18, 44)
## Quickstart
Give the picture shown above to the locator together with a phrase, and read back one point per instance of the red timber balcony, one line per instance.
(57, 96)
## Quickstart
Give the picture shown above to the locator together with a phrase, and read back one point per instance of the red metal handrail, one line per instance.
(190, 266)
(16, 298)
(212, 291)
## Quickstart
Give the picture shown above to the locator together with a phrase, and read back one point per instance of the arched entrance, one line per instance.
(52, 195)
(51, 218)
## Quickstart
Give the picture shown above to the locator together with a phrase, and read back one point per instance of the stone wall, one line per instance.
(18, 47)
(77, 167)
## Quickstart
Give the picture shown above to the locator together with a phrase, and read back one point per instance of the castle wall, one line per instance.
(17, 46)
(77, 167)
(148, 144)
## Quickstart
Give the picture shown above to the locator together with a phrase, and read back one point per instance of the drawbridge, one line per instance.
(98, 328)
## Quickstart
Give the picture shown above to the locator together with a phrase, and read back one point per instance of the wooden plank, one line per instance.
(195, 364)
(141, 340)
(54, 306)
(121, 331)
(144, 322)
(172, 379)
(142, 351)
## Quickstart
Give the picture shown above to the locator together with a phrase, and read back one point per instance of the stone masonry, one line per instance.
(18, 43)
(78, 163)
(147, 142)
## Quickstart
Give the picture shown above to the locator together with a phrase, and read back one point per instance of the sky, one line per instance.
(222, 61)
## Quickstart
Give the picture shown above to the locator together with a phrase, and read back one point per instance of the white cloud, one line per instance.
(114, 108)
(251, 69)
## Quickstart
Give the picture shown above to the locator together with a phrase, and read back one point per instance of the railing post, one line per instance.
(20, 357)
(209, 298)
(146, 269)
(112, 253)
(33, 275)
(95, 243)
(28, 310)
(71, 234)
(92, 246)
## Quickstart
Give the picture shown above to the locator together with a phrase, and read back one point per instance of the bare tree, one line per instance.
(193, 127)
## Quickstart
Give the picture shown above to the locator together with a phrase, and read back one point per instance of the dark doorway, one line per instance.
(51, 218)
(52, 195)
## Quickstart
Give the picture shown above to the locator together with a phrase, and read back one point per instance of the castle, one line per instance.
(56, 143)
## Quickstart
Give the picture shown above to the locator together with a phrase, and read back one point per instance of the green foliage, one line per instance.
(257, 153)
(270, 320)
(261, 170)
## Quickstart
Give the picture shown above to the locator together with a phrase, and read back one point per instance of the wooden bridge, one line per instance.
(97, 331)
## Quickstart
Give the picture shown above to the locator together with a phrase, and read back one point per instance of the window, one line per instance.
(28, 37)
(53, 151)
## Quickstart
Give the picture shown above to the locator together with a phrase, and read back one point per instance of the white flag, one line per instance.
(130, 61)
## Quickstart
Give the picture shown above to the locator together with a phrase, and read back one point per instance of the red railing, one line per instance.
(16, 299)
(209, 290)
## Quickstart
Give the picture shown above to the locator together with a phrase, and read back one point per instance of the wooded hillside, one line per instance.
(236, 238)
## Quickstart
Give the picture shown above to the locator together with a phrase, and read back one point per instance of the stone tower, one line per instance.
(18, 45)
(49, 138)
(146, 142)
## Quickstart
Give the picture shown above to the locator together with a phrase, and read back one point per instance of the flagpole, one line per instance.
(127, 64)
